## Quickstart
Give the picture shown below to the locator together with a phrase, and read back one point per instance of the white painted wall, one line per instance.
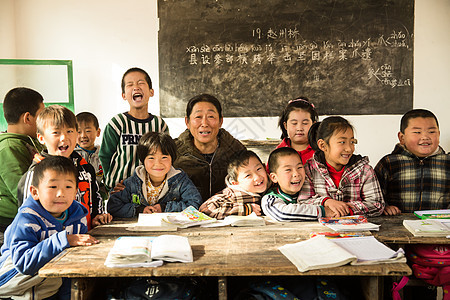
(103, 38)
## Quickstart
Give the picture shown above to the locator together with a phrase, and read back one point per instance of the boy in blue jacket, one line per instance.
(156, 186)
(48, 222)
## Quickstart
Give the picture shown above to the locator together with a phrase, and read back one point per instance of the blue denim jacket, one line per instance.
(178, 193)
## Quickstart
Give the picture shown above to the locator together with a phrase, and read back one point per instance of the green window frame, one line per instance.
(68, 63)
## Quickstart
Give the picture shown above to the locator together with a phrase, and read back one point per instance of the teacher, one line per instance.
(204, 149)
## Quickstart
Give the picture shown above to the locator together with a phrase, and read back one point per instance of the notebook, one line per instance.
(428, 227)
(143, 251)
(321, 252)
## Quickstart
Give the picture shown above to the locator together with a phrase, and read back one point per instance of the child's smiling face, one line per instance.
(157, 166)
(55, 192)
(421, 137)
(339, 148)
(290, 174)
(252, 177)
(59, 140)
(87, 133)
(137, 91)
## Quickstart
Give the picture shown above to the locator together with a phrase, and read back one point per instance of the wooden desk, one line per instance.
(221, 252)
(392, 231)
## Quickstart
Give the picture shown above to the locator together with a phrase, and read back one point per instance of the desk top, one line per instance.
(224, 251)
(391, 231)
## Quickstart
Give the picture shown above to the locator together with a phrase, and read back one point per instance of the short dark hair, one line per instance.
(56, 115)
(280, 152)
(325, 129)
(416, 113)
(302, 103)
(203, 98)
(19, 101)
(239, 161)
(147, 77)
(87, 117)
(151, 141)
(59, 164)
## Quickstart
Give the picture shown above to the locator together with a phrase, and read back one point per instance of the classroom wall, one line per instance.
(103, 38)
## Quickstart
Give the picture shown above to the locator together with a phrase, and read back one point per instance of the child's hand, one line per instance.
(329, 212)
(152, 209)
(338, 207)
(118, 188)
(101, 219)
(81, 240)
(391, 210)
(256, 208)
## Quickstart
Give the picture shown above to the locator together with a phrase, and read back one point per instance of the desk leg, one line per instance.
(81, 289)
(222, 282)
(372, 287)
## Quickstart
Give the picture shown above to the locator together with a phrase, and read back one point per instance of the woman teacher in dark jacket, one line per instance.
(204, 149)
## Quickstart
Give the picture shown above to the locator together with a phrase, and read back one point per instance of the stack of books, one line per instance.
(432, 223)
(349, 223)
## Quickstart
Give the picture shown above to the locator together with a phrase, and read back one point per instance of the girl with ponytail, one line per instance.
(335, 177)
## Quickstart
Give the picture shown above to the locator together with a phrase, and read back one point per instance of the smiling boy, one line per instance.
(246, 182)
(121, 136)
(281, 202)
(416, 175)
(88, 131)
(57, 129)
(47, 223)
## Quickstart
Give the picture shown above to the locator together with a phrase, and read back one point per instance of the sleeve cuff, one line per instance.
(323, 201)
(322, 211)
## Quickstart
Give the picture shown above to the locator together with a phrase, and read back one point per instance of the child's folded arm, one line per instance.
(30, 255)
(189, 196)
(120, 204)
(218, 206)
(277, 209)
(308, 194)
(370, 201)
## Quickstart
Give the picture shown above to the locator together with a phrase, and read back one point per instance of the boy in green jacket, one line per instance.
(18, 145)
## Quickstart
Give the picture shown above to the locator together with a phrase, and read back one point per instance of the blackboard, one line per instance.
(348, 57)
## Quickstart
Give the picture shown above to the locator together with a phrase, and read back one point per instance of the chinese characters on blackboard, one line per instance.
(285, 46)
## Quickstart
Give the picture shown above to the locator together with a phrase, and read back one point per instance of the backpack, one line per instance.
(431, 263)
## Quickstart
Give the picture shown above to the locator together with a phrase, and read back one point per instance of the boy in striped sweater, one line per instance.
(246, 182)
(281, 202)
(121, 136)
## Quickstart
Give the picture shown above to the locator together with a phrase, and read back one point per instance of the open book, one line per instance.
(349, 223)
(429, 227)
(320, 252)
(189, 217)
(142, 251)
(241, 221)
(251, 220)
(153, 222)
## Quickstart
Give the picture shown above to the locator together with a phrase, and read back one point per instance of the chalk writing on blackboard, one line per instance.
(348, 58)
(300, 52)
